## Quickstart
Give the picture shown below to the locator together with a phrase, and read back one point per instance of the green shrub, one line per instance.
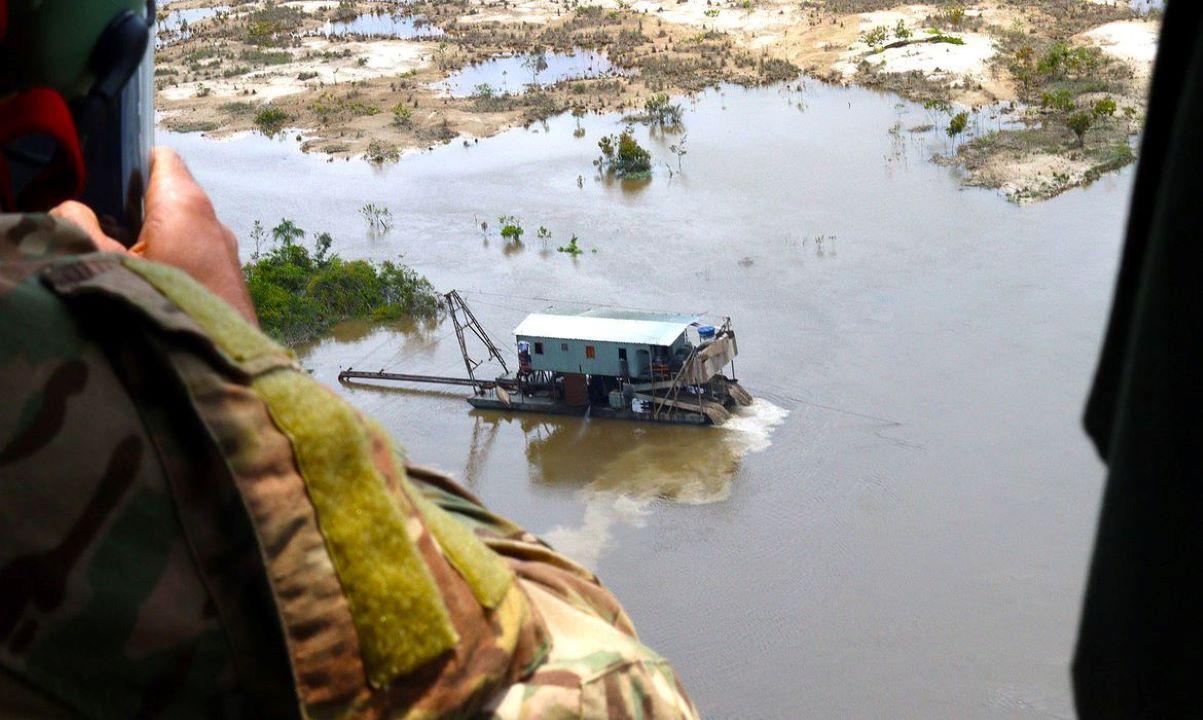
(1079, 123)
(402, 115)
(659, 110)
(511, 228)
(572, 248)
(624, 156)
(380, 152)
(1061, 100)
(876, 37)
(255, 56)
(948, 39)
(1104, 108)
(270, 120)
(957, 125)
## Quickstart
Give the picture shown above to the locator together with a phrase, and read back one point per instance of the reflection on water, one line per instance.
(913, 541)
(515, 74)
(634, 464)
(175, 25)
(386, 25)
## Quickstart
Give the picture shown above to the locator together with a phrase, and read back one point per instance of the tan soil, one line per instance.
(341, 92)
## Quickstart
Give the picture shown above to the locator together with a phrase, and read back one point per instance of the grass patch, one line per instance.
(236, 107)
(189, 126)
(255, 56)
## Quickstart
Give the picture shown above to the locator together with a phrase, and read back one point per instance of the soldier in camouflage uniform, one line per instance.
(191, 526)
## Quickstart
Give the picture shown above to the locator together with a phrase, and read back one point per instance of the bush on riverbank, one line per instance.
(299, 294)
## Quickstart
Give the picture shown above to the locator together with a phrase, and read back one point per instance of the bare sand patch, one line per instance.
(945, 62)
(1133, 41)
(365, 60)
(523, 11)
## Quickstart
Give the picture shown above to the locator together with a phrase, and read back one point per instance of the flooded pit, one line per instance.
(517, 73)
(175, 25)
(901, 527)
(382, 25)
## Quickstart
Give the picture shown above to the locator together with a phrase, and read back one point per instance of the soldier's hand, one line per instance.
(180, 229)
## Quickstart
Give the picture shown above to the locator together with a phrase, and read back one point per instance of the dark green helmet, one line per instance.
(76, 100)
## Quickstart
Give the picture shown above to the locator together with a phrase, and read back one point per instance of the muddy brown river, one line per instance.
(900, 526)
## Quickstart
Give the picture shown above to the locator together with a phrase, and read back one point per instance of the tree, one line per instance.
(679, 150)
(286, 233)
(876, 37)
(1060, 100)
(258, 234)
(624, 156)
(1023, 68)
(957, 125)
(1053, 60)
(321, 245)
(536, 63)
(578, 113)
(270, 120)
(658, 110)
(379, 219)
(1079, 123)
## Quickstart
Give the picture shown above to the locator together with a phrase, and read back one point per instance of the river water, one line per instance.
(900, 526)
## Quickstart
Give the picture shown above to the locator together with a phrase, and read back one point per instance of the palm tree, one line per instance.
(287, 232)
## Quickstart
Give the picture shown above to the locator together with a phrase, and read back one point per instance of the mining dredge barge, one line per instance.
(654, 367)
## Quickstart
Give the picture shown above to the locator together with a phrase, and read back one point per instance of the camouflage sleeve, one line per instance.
(262, 542)
(596, 667)
(103, 603)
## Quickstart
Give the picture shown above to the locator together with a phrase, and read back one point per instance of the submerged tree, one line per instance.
(536, 63)
(957, 125)
(578, 112)
(624, 156)
(659, 110)
(511, 228)
(572, 248)
(679, 150)
(378, 218)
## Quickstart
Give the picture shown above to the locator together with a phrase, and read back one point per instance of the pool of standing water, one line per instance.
(516, 73)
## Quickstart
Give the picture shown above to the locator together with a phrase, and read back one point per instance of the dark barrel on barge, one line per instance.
(606, 363)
